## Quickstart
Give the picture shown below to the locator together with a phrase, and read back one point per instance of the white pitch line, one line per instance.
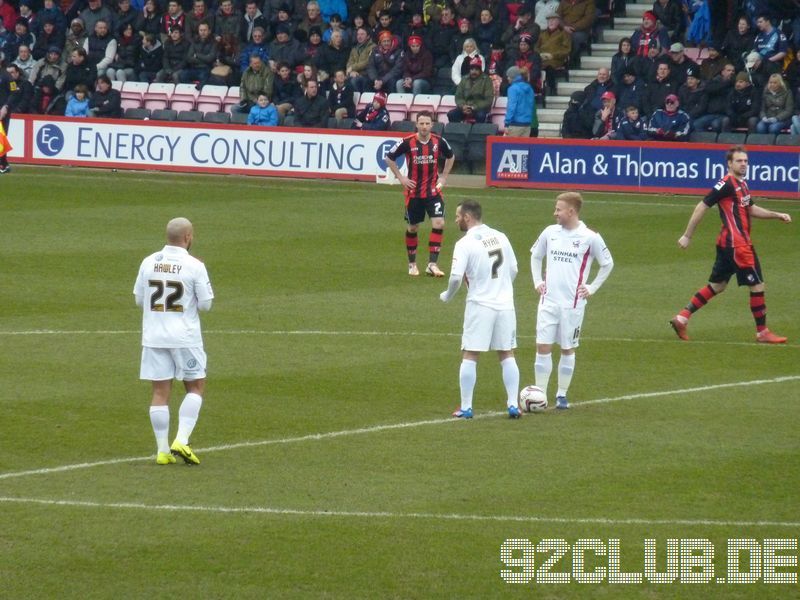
(265, 510)
(388, 427)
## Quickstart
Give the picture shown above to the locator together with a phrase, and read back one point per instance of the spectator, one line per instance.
(8, 15)
(21, 36)
(717, 92)
(176, 53)
(52, 12)
(554, 46)
(385, 23)
(624, 58)
(744, 104)
(94, 12)
(105, 102)
(738, 42)
(526, 58)
(335, 24)
(385, 63)
(25, 61)
(226, 68)
(416, 26)
(174, 18)
(286, 90)
(669, 124)
(50, 36)
(523, 24)
(332, 57)
(252, 20)
(649, 34)
(631, 127)
(464, 34)
(463, 62)
(285, 48)
(199, 14)
(440, 38)
(374, 117)
(777, 106)
(542, 10)
(358, 60)
(149, 20)
(466, 9)
(341, 98)
(328, 8)
(19, 101)
(124, 16)
(46, 99)
(417, 68)
(606, 120)
(51, 65)
(432, 10)
(151, 58)
(474, 96)
(693, 97)
(78, 105)
(283, 16)
(519, 111)
(257, 78)
(487, 32)
(594, 91)
(101, 47)
(313, 18)
(577, 122)
(201, 57)
(313, 45)
(630, 91)
(771, 46)
(670, 14)
(713, 64)
(263, 113)
(577, 18)
(311, 109)
(227, 20)
(659, 88)
(124, 66)
(79, 71)
(679, 63)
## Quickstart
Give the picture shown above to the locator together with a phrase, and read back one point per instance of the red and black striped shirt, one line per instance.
(423, 162)
(732, 197)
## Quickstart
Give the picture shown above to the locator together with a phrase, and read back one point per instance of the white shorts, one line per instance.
(488, 329)
(559, 325)
(183, 364)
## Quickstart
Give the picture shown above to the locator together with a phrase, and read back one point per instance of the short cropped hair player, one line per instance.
(485, 259)
(568, 249)
(172, 286)
(423, 188)
(735, 252)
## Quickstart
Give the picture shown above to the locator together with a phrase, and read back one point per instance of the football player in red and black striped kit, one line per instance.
(423, 188)
(735, 252)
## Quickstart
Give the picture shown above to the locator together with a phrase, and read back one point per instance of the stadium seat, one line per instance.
(238, 118)
(399, 104)
(403, 126)
(446, 104)
(134, 90)
(117, 85)
(191, 116)
(703, 137)
(231, 98)
(364, 100)
(698, 55)
(157, 95)
(785, 139)
(423, 102)
(731, 137)
(210, 98)
(476, 142)
(443, 83)
(216, 117)
(129, 103)
(456, 134)
(499, 121)
(438, 128)
(333, 123)
(497, 114)
(164, 114)
(397, 114)
(761, 139)
(346, 123)
(137, 113)
(184, 97)
(288, 121)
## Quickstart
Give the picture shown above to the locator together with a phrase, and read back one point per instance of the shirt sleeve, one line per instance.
(445, 148)
(202, 288)
(400, 149)
(600, 251)
(717, 193)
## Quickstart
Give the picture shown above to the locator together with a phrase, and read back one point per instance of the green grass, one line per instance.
(316, 329)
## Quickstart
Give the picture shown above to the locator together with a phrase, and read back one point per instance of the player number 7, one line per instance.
(497, 255)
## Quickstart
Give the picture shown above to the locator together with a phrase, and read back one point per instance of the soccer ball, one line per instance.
(532, 399)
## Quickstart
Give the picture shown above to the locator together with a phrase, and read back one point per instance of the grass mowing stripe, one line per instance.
(389, 427)
(265, 510)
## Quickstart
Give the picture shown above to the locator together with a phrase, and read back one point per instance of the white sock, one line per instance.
(566, 366)
(159, 419)
(187, 417)
(467, 375)
(542, 369)
(511, 380)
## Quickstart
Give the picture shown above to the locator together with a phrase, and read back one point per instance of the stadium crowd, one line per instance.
(309, 58)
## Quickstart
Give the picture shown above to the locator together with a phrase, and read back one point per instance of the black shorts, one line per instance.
(416, 208)
(741, 261)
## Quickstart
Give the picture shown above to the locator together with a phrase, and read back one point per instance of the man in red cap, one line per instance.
(607, 118)
(649, 34)
(474, 95)
(670, 124)
(417, 68)
(374, 117)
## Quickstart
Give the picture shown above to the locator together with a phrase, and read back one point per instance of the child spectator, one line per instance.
(374, 117)
(78, 105)
(631, 127)
(263, 113)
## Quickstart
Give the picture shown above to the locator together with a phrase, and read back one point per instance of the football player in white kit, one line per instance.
(171, 288)
(569, 248)
(485, 260)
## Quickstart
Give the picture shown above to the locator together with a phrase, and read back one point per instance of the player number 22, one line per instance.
(170, 304)
(497, 256)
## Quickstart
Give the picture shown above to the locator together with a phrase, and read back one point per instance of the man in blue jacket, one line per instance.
(519, 111)
(670, 124)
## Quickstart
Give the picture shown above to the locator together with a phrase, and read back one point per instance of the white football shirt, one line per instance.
(171, 283)
(485, 258)
(569, 254)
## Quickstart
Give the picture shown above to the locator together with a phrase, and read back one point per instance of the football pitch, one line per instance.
(330, 465)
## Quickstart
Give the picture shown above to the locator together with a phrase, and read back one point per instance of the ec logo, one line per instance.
(383, 150)
(50, 140)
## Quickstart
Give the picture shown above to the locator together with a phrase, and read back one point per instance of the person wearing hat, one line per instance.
(51, 11)
(21, 36)
(463, 62)
(679, 63)
(670, 14)
(743, 104)
(606, 120)
(474, 95)
(358, 60)
(523, 25)
(649, 34)
(417, 68)
(374, 117)
(51, 65)
(385, 66)
(525, 57)
(692, 95)
(713, 64)
(521, 105)
(577, 122)
(542, 11)
(717, 91)
(285, 48)
(49, 36)
(670, 123)
(554, 46)
(630, 91)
